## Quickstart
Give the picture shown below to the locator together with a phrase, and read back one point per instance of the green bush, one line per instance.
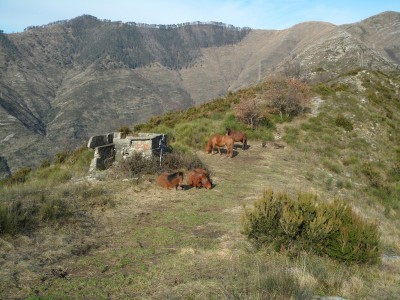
(332, 166)
(13, 217)
(194, 134)
(52, 209)
(323, 228)
(342, 121)
(372, 173)
(231, 122)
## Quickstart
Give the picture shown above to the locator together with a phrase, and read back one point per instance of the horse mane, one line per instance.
(172, 176)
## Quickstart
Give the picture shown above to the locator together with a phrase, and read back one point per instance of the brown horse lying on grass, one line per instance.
(237, 136)
(168, 180)
(219, 141)
(199, 178)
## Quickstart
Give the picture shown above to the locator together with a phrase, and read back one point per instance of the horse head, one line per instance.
(206, 182)
(208, 147)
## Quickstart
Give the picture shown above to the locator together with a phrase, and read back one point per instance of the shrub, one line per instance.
(342, 121)
(179, 160)
(80, 153)
(20, 176)
(323, 90)
(332, 166)
(251, 111)
(323, 228)
(52, 209)
(13, 217)
(288, 96)
(194, 134)
(373, 175)
(61, 157)
(138, 165)
(44, 164)
(230, 121)
(125, 130)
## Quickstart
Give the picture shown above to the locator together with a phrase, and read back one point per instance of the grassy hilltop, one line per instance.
(310, 209)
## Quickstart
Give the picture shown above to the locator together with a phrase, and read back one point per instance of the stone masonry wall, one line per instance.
(104, 151)
(115, 146)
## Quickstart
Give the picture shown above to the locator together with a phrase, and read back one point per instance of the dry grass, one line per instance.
(129, 239)
(158, 244)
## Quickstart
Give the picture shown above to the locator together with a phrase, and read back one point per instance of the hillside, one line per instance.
(66, 81)
(116, 235)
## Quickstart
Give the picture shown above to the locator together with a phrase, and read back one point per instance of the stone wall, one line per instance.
(146, 143)
(116, 146)
(104, 151)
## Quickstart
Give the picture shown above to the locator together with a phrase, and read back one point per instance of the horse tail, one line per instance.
(244, 142)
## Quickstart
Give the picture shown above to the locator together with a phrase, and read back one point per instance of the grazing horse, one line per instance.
(199, 178)
(219, 141)
(170, 180)
(237, 136)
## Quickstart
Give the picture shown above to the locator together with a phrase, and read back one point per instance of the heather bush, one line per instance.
(52, 209)
(20, 176)
(125, 130)
(13, 217)
(61, 157)
(342, 121)
(139, 165)
(307, 224)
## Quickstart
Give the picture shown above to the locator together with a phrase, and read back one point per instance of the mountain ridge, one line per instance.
(62, 83)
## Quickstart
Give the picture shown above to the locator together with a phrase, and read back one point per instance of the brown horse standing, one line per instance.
(168, 180)
(238, 136)
(198, 178)
(219, 141)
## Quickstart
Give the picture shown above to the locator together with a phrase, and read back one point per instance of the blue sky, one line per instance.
(16, 15)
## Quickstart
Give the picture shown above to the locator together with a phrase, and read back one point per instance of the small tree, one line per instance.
(288, 96)
(251, 110)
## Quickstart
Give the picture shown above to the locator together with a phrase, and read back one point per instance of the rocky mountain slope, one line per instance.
(65, 81)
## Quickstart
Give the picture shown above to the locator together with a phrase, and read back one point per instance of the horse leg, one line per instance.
(213, 150)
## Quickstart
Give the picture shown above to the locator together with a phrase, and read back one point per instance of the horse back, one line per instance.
(228, 140)
(221, 140)
(168, 181)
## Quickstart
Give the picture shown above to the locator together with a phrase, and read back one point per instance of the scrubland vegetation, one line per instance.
(343, 136)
